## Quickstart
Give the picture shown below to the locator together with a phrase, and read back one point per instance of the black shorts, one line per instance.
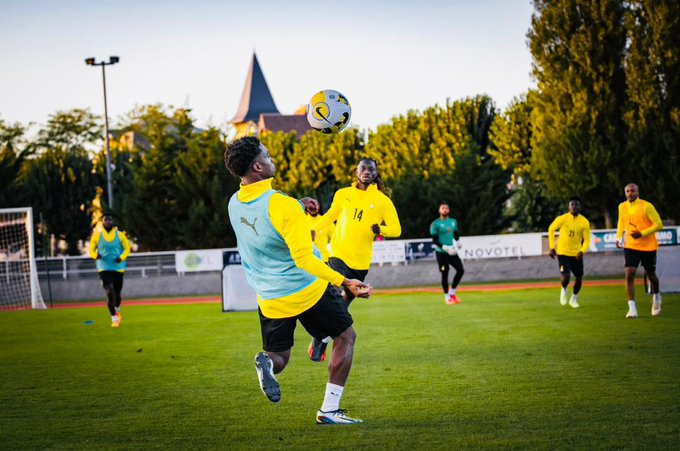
(329, 317)
(349, 273)
(633, 259)
(444, 260)
(112, 278)
(570, 264)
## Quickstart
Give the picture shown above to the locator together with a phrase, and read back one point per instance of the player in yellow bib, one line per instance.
(635, 232)
(573, 242)
(361, 212)
(110, 248)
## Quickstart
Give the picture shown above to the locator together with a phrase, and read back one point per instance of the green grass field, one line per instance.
(506, 370)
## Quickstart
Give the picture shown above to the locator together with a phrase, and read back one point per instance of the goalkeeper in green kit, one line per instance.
(444, 233)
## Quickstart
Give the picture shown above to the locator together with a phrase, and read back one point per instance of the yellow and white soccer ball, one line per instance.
(329, 111)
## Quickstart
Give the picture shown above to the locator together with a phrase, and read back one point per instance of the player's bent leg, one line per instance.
(564, 293)
(342, 354)
(317, 350)
(630, 290)
(656, 296)
(265, 375)
(338, 372)
(578, 281)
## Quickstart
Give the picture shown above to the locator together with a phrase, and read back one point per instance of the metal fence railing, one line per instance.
(143, 264)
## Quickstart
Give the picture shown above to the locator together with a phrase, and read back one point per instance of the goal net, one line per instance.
(237, 295)
(19, 285)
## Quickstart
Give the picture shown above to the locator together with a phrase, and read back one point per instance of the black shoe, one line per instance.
(265, 374)
(317, 350)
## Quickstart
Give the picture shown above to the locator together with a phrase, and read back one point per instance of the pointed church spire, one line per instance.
(256, 98)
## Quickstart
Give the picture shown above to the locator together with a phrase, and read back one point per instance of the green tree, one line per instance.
(13, 153)
(653, 113)
(178, 189)
(316, 164)
(578, 142)
(443, 154)
(510, 135)
(60, 184)
(59, 181)
(203, 190)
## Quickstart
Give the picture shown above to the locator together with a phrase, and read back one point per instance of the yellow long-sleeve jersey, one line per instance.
(640, 216)
(322, 237)
(355, 211)
(289, 221)
(574, 234)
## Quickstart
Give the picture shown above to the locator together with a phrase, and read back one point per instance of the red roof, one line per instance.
(283, 123)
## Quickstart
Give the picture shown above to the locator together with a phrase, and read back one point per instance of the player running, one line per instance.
(445, 235)
(572, 243)
(635, 232)
(109, 248)
(362, 211)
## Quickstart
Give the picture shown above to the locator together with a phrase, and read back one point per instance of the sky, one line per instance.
(387, 57)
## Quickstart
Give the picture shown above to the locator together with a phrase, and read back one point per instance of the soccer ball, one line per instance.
(329, 111)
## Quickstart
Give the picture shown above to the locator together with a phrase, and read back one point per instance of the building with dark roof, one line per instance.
(257, 112)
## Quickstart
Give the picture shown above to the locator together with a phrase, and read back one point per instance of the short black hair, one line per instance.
(575, 198)
(240, 154)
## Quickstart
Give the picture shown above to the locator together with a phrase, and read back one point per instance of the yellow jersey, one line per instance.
(288, 219)
(640, 216)
(355, 211)
(574, 234)
(322, 237)
(108, 236)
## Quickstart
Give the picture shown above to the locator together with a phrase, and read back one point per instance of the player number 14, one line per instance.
(357, 214)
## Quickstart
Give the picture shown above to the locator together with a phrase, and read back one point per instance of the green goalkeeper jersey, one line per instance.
(443, 230)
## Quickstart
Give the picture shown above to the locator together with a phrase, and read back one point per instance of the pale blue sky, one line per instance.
(386, 56)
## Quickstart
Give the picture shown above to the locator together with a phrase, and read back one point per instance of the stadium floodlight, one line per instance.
(109, 182)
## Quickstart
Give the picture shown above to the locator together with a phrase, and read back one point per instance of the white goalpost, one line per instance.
(19, 284)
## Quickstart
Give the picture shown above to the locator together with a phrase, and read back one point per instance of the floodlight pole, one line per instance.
(109, 178)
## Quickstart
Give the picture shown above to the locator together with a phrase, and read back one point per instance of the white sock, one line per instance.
(656, 296)
(117, 309)
(564, 291)
(631, 306)
(331, 401)
(114, 319)
(452, 291)
(327, 340)
(574, 296)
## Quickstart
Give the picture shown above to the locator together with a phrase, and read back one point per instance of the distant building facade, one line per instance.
(257, 113)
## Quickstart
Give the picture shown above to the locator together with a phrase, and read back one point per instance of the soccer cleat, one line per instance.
(453, 299)
(115, 324)
(317, 350)
(631, 313)
(335, 417)
(573, 303)
(120, 318)
(656, 305)
(265, 374)
(563, 297)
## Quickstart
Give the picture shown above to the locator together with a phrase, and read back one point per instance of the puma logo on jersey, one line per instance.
(252, 226)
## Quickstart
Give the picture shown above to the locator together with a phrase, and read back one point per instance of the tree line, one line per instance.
(605, 112)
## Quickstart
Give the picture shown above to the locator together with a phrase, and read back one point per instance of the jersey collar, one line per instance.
(252, 191)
